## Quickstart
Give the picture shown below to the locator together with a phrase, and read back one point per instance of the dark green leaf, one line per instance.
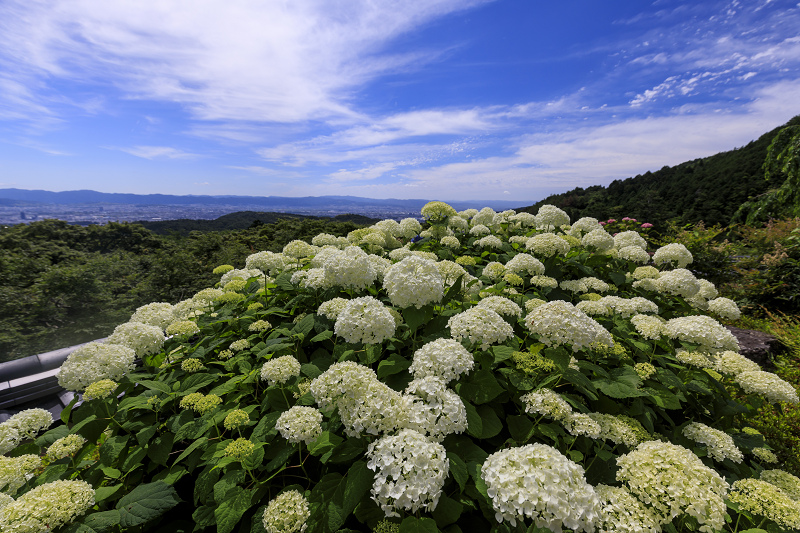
(458, 469)
(447, 511)
(490, 422)
(325, 335)
(159, 386)
(231, 510)
(357, 484)
(521, 427)
(53, 435)
(393, 364)
(159, 448)
(412, 524)
(145, 503)
(195, 382)
(111, 448)
(480, 387)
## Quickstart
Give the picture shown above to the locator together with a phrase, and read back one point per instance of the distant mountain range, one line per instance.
(337, 204)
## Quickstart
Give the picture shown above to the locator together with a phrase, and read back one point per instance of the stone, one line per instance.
(757, 345)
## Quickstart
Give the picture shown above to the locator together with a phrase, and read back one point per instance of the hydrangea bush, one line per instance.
(487, 372)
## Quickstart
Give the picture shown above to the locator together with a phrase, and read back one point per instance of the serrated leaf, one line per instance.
(305, 325)
(412, 524)
(480, 387)
(192, 447)
(231, 510)
(357, 484)
(104, 493)
(195, 382)
(520, 426)
(325, 335)
(145, 503)
(393, 364)
(502, 353)
(159, 386)
(458, 469)
(51, 436)
(474, 420)
(447, 511)
(159, 448)
(616, 389)
(490, 422)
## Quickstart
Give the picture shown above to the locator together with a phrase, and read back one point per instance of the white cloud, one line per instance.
(158, 152)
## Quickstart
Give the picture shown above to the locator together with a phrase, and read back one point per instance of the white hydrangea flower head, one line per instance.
(525, 220)
(410, 227)
(673, 253)
(765, 455)
(501, 305)
(494, 270)
(207, 296)
(379, 264)
(707, 290)
(615, 429)
(160, 314)
(414, 281)
(559, 322)
(458, 224)
(451, 242)
(242, 273)
(703, 330)
(392, 227)
(485, 216)
(47, 507)
(629, 238)
(142, 338)
(538, 482)
(5, 499)
(523, 264)
(95, 361)
(584, 225)
(634, 254)
(430, 256)
(548, 403)
(724, 308)
(332, 308)
(186, 309)
(596, 285)
(320, 240)
(468, 213)
(300, 424)
(544, 282)
(437, 211)
(768, 385)
(649, 327)
(490, 241)
(280, 370)
(298, 249)
(183, 328)
(758, 497)
(349, 268)
(547, 244)
(365, 405)
(785, 481)
(621, 512)
(287, 513)
(365, 320)
(479, 230)
(733, 363)
(646, 272)
(450, 271)
(720, 445)
(698, 359)
(410, 471)
(598, 239)
(274, 263)
(672, 480)
(481, 326)
(436, 410)
(626, 307)
(550, 217)
(15, 471)
(578, 424)
(593, 307)
(678, 282)
(445, 359)
(65, 447)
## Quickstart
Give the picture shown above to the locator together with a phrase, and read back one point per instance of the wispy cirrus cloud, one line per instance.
(158, 152)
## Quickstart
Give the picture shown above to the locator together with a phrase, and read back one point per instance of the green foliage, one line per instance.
(153, 460)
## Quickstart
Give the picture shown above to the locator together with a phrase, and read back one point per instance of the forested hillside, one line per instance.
(710, 189)
(63, 284)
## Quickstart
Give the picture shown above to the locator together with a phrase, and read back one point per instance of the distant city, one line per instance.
(19, 206)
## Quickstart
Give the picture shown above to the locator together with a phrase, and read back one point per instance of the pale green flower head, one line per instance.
(65, 447)
(766, 500)
(192, 365)
(287, 513)
(235, 419)
(240, 449)
(183, 328)
(47, 507)
(437, 211)
(222, 269)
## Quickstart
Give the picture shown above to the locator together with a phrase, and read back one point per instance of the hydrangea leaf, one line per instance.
(357, 484)
(480, 387)
(412, 524)
(145, 503)
(231, 510)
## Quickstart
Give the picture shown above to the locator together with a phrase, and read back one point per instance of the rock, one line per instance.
(757, 345)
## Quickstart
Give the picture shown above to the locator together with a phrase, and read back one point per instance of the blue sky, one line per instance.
(433, 99)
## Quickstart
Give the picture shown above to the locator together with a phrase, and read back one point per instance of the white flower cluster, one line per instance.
(765, 499)
(720, 445)
(158, 314)
(272, 263)
(547, 403)
(410, 472)
(413, 281)
(490, 241)
(280, 370)
(626, 307)
(479, 230)
(365, 405)
(300, 424)
(481, 326)
(547, 244)
(698, 359)
(142, 338)
(536, 481)
(559, 322)
(734, 363)
(23, 425)
(95, 361)
(672, 480)
(625, 239)
(725, 308)
(287, 513)
(485, 216)
(633, 254)
(365, 320)
(437, 211)
(621, 512)
(15, 471)
(678, 282)
(550, 217)
(494, 270)
(450, 241)
(349, 268)
(438, 412)
(615, 429)
(649, 327)
(584, 225)
(578, 424)
(768, 385)
(573, 285)
(450, 271)
(599, 240)
(298, 249)
(703, 330)
(525, 264)
(544, 282)
(500, 305)
(65, 447)
(410, 228)
(673, 253)
(785, 481)
(445, 359)
(332, 308)
(242, 274)
(47, 507)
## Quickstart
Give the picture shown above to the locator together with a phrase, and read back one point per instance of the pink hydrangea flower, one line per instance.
(647, 225)
(612, 220)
